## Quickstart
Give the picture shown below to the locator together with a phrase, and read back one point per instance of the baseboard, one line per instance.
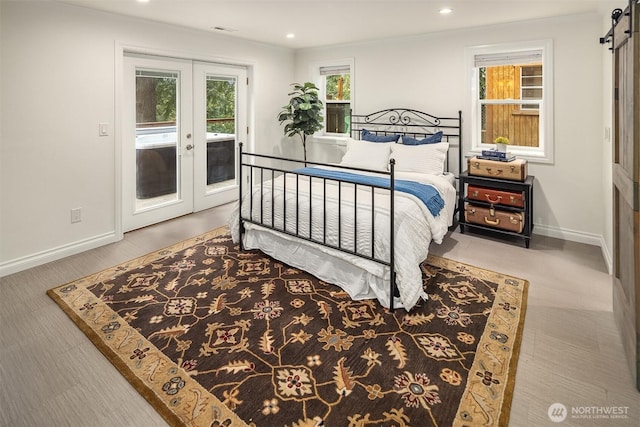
(579, 237)
(570, 235)
(608, 259)
(19, 264)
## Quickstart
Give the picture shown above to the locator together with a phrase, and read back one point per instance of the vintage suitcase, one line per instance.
(515, 170)
(496, 197)
(504, 220)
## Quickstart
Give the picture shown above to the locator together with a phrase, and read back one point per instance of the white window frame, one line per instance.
(319, 80)
(545, 150)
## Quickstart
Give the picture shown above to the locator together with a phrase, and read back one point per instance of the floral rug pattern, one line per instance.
(213, 336)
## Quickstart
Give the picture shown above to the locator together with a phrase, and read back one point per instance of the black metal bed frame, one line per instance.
(413, 123)
(401, 121)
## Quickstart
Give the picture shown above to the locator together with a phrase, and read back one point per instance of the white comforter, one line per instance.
(415, 228)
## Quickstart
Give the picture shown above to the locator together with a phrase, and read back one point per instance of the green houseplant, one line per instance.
(303, 113)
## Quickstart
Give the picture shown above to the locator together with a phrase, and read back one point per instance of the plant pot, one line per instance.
(501, 147)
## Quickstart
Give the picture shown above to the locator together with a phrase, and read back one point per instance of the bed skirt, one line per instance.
(360, 278)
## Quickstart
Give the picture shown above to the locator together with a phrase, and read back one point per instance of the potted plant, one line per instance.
(501, 143)
(303, 113)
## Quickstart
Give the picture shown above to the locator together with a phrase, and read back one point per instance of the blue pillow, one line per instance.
(431, 139)
(372, 137)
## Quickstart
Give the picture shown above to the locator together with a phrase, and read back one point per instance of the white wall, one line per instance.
(57, 83)
(607, 146)
(427, 73)
(57, 71)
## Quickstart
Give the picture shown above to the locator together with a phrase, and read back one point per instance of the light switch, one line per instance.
(103, 129)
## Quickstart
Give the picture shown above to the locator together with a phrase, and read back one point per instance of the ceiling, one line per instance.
(328, 22)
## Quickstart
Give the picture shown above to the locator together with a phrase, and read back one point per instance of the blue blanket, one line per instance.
(426, 193)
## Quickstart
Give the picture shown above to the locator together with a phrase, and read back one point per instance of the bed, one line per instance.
(335, 220)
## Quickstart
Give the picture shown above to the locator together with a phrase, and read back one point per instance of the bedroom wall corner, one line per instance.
(436, 82)
(607, 147)
(57, 84)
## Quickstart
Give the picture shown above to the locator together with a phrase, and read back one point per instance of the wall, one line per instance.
(427, 73)
(607, 146)
(57, 84)
(57, 71)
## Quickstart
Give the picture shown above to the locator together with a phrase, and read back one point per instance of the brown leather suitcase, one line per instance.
(496, 197)
(490, 217)
(515, 170)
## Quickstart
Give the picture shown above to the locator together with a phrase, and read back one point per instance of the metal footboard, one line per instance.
(259, 174)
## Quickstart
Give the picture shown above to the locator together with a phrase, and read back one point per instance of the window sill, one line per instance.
(529, 155)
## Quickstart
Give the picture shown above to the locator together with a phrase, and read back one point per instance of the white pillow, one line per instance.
(425, 158)
(367, 155)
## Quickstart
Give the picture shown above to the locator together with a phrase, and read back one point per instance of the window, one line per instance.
(531, 85)
(510, 96)
(335, 88)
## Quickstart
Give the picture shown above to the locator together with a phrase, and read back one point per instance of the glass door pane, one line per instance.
(220, 122)
(157, 143)
(221, 131)
(157, 166)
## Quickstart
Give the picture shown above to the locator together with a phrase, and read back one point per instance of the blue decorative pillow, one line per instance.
(431, 139)
(372, 137)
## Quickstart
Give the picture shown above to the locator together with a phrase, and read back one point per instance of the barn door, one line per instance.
(626, 155)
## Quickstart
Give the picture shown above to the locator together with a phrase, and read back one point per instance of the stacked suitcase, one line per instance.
(496, 208)
(515, 170)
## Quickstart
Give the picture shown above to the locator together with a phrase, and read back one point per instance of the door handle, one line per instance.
(189, 147)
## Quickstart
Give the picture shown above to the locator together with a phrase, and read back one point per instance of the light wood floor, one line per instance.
(51, 375)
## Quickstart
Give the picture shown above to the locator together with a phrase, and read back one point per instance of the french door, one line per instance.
(181, 125)
(220, 106)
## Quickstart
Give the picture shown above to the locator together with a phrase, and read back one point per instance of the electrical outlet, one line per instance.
(76, 215)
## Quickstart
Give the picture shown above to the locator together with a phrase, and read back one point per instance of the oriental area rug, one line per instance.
(214, 336)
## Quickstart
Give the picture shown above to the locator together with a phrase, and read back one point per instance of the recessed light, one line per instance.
(445, 11)
(291, 36)
(225, 29)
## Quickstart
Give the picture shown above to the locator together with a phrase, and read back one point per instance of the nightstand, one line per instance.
(496, 205)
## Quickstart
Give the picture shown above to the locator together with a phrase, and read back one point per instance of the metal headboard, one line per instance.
(413, 123)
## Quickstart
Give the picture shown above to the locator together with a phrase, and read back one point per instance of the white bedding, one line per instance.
(415, 228)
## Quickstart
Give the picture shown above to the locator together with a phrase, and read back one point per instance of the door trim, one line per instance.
(120, 48)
